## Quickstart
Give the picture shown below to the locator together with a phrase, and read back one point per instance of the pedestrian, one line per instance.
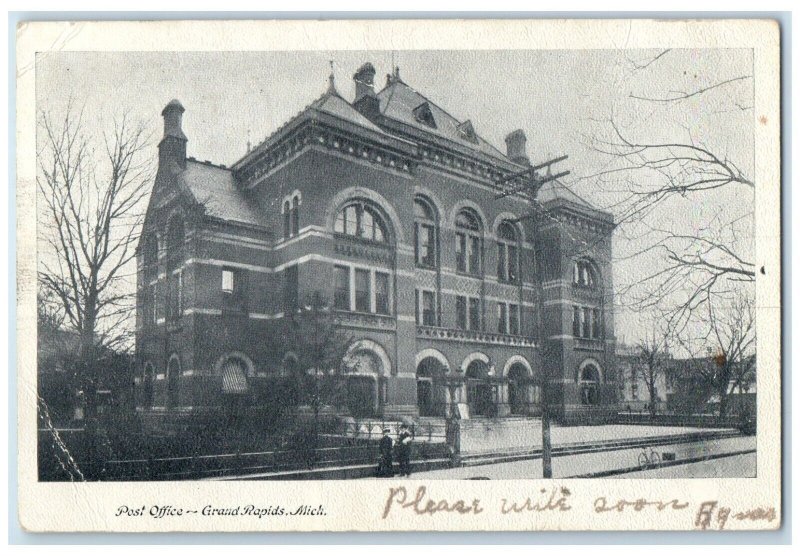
(385, 465)
(404, 451)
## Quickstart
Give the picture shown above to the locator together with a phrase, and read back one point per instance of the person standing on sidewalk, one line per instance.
(385, 465)
(404, 451)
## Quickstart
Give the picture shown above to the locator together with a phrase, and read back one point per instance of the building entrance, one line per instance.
(479, 391)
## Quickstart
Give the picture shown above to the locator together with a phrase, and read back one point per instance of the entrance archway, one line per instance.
(589, 382)
(366, 364)
(431, 388)
(519, 386)
(479, 390)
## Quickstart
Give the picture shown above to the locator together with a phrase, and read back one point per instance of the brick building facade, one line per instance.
(388, 207)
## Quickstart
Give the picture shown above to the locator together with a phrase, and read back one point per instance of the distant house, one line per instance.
(634, 394)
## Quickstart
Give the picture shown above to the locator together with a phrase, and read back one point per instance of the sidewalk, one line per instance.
(581, 464)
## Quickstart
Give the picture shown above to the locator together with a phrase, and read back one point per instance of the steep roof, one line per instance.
(400, 102)
(215, 189)
(555, 190)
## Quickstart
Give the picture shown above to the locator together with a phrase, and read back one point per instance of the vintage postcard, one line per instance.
(399, 275)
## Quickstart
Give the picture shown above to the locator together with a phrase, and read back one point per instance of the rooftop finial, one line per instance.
(331, 80)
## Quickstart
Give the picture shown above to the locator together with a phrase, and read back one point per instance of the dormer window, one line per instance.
(423, 114)
(467, 131)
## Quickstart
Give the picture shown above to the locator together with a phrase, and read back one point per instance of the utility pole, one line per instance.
(530, 188)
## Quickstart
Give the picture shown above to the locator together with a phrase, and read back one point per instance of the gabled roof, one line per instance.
(215, 189)
(331, 103)
(402, 103)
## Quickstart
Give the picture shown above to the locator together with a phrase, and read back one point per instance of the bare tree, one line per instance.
(91, 205)
(733, 331)
(312, 334)
(652, 354)
(647, 170)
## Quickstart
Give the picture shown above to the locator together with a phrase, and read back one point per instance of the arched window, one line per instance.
(507, 253)
(361, 220)
(295, 215)
(147, 385)
(175, 256)
(589, 381)
(287, 220)
(234, 376)
(584, 274)
(469, 240)
(425, 234)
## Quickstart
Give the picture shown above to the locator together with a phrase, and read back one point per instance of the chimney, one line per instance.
(172, 147)
(366, 100)
(515, 147)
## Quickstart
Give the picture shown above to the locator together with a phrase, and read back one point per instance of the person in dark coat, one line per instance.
(385, 465)
(404, 451)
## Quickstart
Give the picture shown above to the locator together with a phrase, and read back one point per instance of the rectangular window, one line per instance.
(290, 291)
(576, 321)
(362, 291)
(474, 255)
(501, 262)
(596, 324)
(586, 318)
(502, 318)
(179, 294)
(428, 308)
(228, 281)
(461, 252)
(513, 319)
(461, 312)
(426, 253)
(513, 264)
(341, 294)
(174, 294)
(382, 293)
(416, 308)
(474, 314)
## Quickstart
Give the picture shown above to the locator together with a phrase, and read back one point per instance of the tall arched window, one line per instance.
(150, 256)
(358, 219)
(469, 239)
(175, 257)
(425, 236)
(287, 220)
(295, 215)
(507, 253)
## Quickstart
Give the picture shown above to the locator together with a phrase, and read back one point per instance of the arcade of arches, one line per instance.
(484, 393)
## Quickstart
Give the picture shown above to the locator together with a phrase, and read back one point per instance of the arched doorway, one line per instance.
(589, 382)
(519, 386)
(479, 390)
(173, 377)
(364, 384)
(431, 389)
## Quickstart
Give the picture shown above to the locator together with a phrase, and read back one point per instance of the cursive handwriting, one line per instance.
(557, 501)
(399, 497)
(601, 505)
(706, 512)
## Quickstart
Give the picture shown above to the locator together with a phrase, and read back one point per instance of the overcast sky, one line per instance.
(557, 97)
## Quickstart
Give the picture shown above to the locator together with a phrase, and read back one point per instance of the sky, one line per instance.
(561, 99)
